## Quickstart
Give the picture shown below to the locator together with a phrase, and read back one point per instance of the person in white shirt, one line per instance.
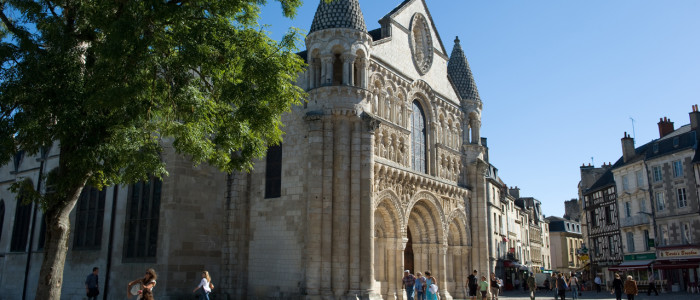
(205, 286)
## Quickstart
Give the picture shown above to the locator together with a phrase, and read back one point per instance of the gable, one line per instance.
(410, 22)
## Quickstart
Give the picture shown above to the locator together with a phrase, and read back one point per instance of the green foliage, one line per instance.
(114, 81)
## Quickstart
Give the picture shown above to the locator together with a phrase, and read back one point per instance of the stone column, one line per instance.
(392, 267)
(362, 67)
(341, 204)
(327, 218)
(476, 136)
(348, 62)
(315, 209)
(312, 73)
(442, 272)
(327, 67)
(355, 196)
(367, 239)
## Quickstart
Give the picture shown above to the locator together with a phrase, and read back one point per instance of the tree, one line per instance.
(111, 81)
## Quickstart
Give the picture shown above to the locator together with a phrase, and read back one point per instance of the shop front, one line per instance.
(515, 275)
(679, 267)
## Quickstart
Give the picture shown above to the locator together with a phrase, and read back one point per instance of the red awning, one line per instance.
(632, 265)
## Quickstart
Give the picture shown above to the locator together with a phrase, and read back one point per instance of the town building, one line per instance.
(566, 240)
(601, 225)
(655, 190)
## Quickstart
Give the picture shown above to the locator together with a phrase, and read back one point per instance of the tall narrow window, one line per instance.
(640, 179)
(642, 205)
(628, 209)
(677, 169)
(418, 134)
(646, 240)
(630, 242)
(273, 172)
(625, 183)
(656, 171)
(660, 204)
(686, 233)
(89, 216)
(682, 197)
(608, 215)
(20, 232)
(2, 216)
(664, 234)
(143, 211)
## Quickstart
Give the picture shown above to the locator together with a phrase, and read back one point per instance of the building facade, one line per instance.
(602, 226)
(655, 187)
(566, 240)
(382, 169)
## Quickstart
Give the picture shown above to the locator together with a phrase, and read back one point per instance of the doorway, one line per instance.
(408, 254)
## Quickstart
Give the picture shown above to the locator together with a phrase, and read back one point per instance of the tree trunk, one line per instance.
(56, 246)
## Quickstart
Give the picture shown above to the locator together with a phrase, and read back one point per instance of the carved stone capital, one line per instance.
(371, 122)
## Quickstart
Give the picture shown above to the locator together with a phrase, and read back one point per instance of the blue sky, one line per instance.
(561, 79)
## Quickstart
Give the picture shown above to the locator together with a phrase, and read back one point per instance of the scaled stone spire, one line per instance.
(461, 75)
(338, 14)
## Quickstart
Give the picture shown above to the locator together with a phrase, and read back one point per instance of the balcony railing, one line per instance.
(635, 220)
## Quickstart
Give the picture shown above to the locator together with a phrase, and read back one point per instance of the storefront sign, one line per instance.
(681, 252)
(644, 256)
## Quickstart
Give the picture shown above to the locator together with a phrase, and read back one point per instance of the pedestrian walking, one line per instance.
(574, 286)
(136, 287)
(494, 287)
(472, 283)
(92, 286)
(408, 282)
(205, 286)
(630, 288)
(652, 285)
(419, 287)
(553, 286)
(617, 287)
(597, 283)
(532, 285)
(484, 288)
(432, 287)
(561, 286)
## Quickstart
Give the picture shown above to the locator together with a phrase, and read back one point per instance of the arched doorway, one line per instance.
(408, 253)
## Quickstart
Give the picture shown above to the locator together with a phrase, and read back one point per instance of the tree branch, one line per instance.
(18, 32)
(51, 8)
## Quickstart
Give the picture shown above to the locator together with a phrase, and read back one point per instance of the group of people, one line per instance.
(483, 287)
(420, 287)
(142, 288)
(560, 283)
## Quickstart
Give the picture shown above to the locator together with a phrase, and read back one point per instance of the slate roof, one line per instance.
(461, 75)
(376, 34)
(338, 14)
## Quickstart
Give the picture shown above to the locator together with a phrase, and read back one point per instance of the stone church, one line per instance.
(381, 170)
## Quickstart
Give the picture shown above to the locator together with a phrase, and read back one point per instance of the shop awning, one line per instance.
(632, 265)
(692, 263)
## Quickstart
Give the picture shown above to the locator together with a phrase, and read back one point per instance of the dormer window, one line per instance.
(676, 141)
(655, 148)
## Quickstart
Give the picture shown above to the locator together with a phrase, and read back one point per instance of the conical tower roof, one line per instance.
(458, 69)
(338, 14)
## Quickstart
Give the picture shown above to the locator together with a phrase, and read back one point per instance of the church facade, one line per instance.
(381, 171)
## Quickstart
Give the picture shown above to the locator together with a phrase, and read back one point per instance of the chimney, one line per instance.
(514, 192)
(694, 118)
(628, 147)
(665, 126)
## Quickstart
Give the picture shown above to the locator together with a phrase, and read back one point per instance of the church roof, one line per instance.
(460, 73)
(338, 14)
